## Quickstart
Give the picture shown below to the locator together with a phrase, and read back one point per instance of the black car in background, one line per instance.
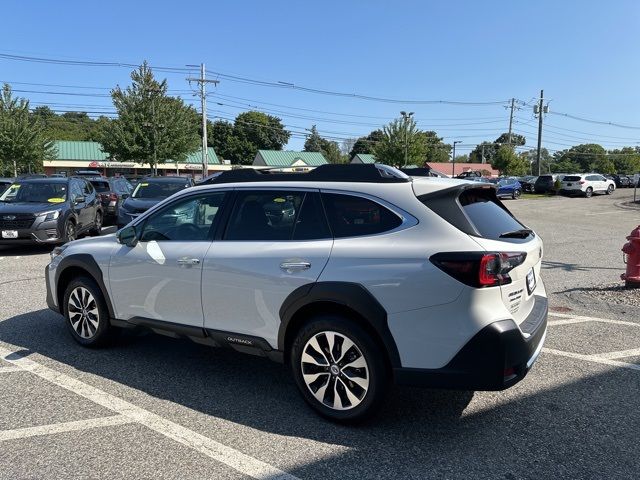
(48, 211)
(147, 193)
(546, 183)
(622, 181)
(112, 191)
(528, 182)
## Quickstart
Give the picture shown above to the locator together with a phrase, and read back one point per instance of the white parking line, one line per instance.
(233, 458)
(619, 354)
(581, 319)
(592, 358)
(10, 369)
(64, 427)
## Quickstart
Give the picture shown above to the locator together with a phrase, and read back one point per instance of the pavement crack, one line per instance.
(21, 280)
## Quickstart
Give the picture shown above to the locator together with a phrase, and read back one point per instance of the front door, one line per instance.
(276, 240)
(160, 277)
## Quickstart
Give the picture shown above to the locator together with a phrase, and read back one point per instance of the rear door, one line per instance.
(276, 240)
(492, 220)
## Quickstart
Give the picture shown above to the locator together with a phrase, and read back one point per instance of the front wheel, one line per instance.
(610, 190)
(69, 233)
(339, 369)
(588, 192)
(86, 313)
(516, 194)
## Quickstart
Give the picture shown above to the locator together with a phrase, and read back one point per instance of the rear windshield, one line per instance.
(572, 178)
(100, 186)
(545, 178)
(489, 218)
(150, 189)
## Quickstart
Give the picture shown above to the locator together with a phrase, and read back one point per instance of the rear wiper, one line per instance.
(522, 233)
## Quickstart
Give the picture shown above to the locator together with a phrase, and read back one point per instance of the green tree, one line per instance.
(23, 143)
(516, 140)
(586, 155)
(545, 160)
(462, 158)
(366, 144)
(70, 125)
(397, 135)
(329, 149)
(508, 162)
(604, 165)
(490, 149)
(151, 127)
(565, 166)
(626, 160)
(435, 149)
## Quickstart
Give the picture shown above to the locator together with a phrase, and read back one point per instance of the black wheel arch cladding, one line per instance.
(86, 263)
(344, 295)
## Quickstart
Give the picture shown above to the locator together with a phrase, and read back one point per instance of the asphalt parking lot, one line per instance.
(154, 407)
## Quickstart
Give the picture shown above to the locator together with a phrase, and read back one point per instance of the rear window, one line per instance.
(352, 216)
(572, 178)
(488, 217)
(101, 187)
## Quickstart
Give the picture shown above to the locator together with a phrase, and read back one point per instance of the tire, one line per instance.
(97, 224)
(610, 190)
(70, 233)
(350, 401)
(588, 192)
(86, 313)
(516, 194)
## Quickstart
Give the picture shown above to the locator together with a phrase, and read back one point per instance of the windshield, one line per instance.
(36, 193)
(151, 189)
(101, 186)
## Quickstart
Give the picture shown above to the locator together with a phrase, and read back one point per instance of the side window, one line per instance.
(352, 216)
(189, 219)
(76, 189)
(264, 215)
(311, 223)
(591, 178)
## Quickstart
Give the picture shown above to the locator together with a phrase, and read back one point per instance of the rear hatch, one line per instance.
(103, 190)
(479, 213)
(572, 182)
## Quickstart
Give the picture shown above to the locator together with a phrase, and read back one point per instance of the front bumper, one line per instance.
(46, 233)
(497, 357)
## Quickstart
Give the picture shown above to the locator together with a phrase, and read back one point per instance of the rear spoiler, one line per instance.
(446, 203)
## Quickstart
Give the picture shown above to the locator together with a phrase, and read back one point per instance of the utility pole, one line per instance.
(203, 104)
(406, 116)
(482, 154)
(513, 101)
(539, 112)
(453, 168)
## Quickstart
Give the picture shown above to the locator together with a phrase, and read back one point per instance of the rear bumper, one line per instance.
(497, 357)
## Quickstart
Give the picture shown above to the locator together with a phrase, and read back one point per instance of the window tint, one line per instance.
(76, 188)
(188, 219)
(487, 216)
(352, 216)
(311, 223)
(87, 188)
(161, 189)
(101, 186)
(264, 215)
(572, 178)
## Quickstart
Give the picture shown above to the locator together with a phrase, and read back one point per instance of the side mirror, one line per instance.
(79, 199)
(124, 196)
(128, 236)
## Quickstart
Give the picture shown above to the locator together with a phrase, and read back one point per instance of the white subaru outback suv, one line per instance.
(353, 275)
(586, 184)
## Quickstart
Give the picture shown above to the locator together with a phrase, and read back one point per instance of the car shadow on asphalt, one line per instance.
(573, 430)
(24, 250)
(572, 267)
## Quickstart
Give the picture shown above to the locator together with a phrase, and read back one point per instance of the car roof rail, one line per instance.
(365, 173)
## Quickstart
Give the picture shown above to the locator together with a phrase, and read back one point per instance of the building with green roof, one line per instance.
(77, 155)
(363, 158)
(279, 158)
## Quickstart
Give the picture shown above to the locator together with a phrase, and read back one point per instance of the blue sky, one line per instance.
(583, 53)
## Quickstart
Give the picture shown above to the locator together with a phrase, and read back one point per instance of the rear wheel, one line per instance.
(610, 190)
(339, 369)
(97, 224)
(588, 192)
(86, 313)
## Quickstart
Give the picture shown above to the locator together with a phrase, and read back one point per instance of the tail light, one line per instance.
(478, 269)
(581, 182)
(113, 197)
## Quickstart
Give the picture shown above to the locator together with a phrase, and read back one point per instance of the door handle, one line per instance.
(188, 261)
(290, 267)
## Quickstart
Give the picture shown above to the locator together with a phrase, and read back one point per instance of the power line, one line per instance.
(598, 122)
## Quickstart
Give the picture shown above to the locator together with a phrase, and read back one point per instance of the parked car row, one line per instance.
(56, 210)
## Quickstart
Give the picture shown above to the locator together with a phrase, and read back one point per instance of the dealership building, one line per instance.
(73, 155)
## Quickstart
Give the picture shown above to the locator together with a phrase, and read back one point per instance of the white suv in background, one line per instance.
(353, 275)
(586, 184)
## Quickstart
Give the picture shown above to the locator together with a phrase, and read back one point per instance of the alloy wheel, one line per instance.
(83, 312)
(70, 231)
(335, 370)
(98, 222)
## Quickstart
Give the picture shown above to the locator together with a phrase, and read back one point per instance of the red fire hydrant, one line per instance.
(631, 250)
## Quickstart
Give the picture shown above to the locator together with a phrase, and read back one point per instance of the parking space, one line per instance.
(155, 407)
